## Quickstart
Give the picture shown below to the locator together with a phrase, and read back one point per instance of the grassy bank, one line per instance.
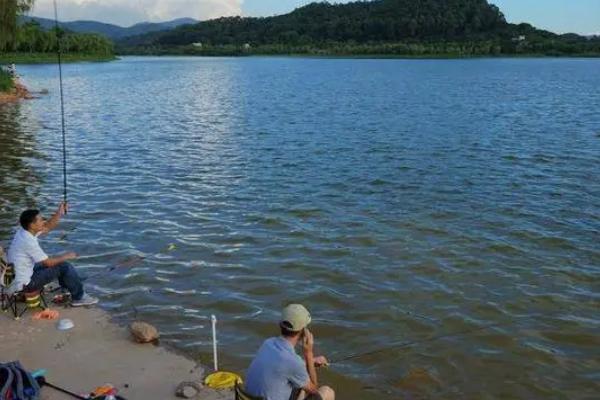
(51, 58)
(374, 50)
(6, 82)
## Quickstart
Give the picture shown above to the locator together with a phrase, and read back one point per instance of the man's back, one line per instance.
(23, 253)
(276, 370)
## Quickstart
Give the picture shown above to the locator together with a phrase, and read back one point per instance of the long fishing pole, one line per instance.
(62, 102)
(43, 382)
(419, 341)
(107, 270)
(127, 263)
(123, 264)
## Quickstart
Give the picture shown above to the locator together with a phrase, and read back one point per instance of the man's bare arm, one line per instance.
(309, 358)
(54, 261)
(53, 222)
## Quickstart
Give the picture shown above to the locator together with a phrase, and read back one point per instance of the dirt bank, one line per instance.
(19, 92)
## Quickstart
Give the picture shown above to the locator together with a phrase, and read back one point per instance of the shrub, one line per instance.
(6, 82)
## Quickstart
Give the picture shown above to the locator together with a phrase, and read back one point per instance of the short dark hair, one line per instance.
(286, 330)
(27, 218)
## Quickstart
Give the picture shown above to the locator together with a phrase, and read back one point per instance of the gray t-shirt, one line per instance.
(276, 370)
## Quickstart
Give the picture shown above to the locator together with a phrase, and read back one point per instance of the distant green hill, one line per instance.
(379, 27)
(109, 30)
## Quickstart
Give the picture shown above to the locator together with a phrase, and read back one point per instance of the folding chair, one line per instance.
(240, 394)
(7, 275)
(32, 300)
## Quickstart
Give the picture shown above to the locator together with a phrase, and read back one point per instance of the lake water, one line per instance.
(399, 200)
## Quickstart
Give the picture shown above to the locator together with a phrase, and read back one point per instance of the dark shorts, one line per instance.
(296, 393)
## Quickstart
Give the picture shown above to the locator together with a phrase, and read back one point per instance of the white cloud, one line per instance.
(129, 12)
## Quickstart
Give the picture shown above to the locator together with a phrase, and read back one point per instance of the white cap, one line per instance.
(295, 317)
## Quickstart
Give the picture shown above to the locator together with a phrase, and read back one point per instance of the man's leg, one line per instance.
(41, 277)
(66, 275)
(68, 279)
(327, 393)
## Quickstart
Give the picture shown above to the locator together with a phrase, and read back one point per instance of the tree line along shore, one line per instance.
(30, 44)
(378, 28)
(401, 28)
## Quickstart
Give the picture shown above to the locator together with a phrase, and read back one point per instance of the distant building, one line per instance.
(197, 44)
(520, 38)
(247, 46)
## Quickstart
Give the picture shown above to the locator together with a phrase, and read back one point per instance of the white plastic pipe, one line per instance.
(214, 334)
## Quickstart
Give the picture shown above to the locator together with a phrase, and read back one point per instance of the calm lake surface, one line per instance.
(399, 200)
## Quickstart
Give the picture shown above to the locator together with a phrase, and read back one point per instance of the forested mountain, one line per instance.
(361, 21)
(413, 27)
(109, 30)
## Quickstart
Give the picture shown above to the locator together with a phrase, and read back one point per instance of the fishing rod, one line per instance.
(127, 263)
(62, 102)
(123, 264)
(400, 345)
(43, 382)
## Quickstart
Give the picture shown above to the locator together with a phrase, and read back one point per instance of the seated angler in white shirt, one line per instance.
(33, 268)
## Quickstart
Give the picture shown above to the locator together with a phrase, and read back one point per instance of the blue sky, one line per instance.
(581, 16)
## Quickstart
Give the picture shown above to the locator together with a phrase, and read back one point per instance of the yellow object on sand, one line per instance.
(222, 380)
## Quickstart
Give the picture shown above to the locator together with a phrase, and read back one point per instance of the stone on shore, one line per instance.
(143, 332)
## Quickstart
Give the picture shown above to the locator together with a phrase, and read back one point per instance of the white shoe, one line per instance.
(86, 300)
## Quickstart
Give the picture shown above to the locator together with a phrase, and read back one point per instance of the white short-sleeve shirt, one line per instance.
(24, 252)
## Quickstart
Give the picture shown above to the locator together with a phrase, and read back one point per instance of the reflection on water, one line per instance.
(20, 175)
(400, 200)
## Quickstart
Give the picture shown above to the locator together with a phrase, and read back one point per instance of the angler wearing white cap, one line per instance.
(278, 373)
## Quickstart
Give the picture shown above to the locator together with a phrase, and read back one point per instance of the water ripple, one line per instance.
(399, 199)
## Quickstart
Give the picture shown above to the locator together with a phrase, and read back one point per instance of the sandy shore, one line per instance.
(19, 92)
(96, 352)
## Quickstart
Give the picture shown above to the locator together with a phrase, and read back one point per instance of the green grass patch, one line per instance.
(408, 50)
(51, 58)
(6, 82)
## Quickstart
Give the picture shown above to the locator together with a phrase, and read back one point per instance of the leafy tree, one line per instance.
(9, 10)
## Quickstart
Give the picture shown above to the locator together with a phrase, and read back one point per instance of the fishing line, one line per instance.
(62, 101)
(400, 345)
(127, 263)
(123, 264)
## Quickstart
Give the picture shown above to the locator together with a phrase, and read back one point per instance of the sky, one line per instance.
(579, 16)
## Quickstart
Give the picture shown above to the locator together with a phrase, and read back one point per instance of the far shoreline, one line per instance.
(52, 58)
(363, 57)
